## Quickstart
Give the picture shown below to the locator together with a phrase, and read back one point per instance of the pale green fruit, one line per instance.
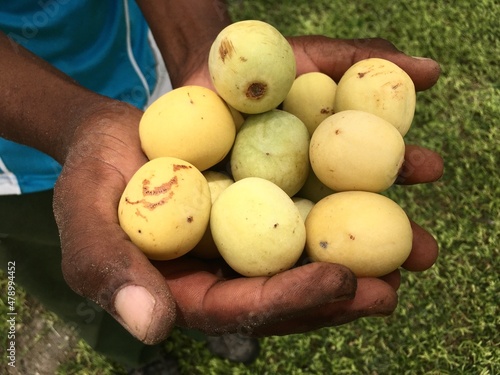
(252, 66)
(165, 208)
(273, 145)
(217, 183)
(191, 123)
(304, 205)
(356, 150)
(311, 98)
(380, 87)
(366, 232)
(257, 228)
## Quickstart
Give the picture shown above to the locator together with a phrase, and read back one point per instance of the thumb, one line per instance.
(109, 270)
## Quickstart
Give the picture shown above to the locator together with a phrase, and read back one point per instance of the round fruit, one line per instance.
(313, 189)
(273, 145)
(356, 150)
(257, 228)
(252, 66)
(311, 98)
(304, 205)
(217, 183)
(380, 87)
(191, 123)
(165, 208)
(366, 232)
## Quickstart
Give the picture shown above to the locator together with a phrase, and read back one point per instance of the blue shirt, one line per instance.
(103, 45)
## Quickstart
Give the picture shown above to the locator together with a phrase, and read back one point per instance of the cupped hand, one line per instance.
(149, 298)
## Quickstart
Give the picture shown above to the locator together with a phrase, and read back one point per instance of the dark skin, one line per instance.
(96, 140)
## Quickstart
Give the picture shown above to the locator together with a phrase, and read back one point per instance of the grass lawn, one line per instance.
(447, 321)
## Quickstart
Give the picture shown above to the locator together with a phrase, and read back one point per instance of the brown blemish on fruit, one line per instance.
(177, 167)
(226, 49)
(326, 110)
(157, 190)
(323, 244)
(151, 205)
(256, 90)
(243, 59)
(139, 213)
(190, 219)
(394, 87)
(276, 225)
(352, 237)
(163, 189)
(337, 132)
(190, 99)
(361, 74)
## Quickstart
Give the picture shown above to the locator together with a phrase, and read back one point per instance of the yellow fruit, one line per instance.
(380, 87)
(252, 66)
(217, 183)
(191, 123)
(356, 150)
(311, 98)
(165, 208)
(257, 228)
(237, 118)
(313, 189)
(366, 232)
(273, 145)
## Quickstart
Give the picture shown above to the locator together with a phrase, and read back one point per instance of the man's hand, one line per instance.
(101, 263)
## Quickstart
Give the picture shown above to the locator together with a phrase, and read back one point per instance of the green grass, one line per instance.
(447, 320)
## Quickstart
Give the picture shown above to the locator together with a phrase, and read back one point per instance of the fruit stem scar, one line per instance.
(256, 90)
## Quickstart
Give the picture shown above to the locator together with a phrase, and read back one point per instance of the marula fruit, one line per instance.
(191, 123)
(356, 150)
(257, 228)
(165, 208)
(311, 98)
(252, 66)
(366, 232)
(380, 87)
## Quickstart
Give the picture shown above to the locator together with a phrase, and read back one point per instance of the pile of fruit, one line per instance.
(269, 166)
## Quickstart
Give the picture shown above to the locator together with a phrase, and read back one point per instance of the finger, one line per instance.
(335, 56)
(374, 297)
(424, 250)
(420, 165)
(218, 306)
(393, 279)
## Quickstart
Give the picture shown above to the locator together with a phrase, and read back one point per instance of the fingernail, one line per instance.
(135, 306)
